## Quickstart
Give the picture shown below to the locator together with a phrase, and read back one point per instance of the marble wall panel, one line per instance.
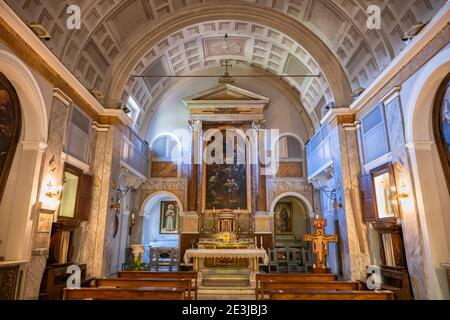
(414, 247)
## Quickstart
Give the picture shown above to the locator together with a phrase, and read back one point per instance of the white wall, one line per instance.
(172, 114)
(432, 197)
(151, 235)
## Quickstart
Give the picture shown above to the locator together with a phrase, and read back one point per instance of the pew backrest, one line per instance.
(124, 294)
(305, 285)
(330, 295)
(162, 275)
(185, 284)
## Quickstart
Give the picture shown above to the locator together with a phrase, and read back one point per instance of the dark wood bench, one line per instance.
(397, 281)
(191, 275)
(54, 281)
(267, 286)
(296, 277)
(185, 284)
(291, 277)
(124, 294)
(330, 295)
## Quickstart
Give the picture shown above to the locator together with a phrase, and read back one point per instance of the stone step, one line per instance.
(226, 290)
(226, 282)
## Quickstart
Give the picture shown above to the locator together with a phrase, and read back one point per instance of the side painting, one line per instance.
(10, 126)
(441, 118)
(169, 217)
(283, 218)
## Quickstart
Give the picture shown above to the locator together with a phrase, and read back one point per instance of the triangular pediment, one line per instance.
(226, 92)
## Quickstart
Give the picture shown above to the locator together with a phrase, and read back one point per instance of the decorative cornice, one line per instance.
(61, 96)
(34, 145)
(419, 145)
(343, 115)
(391, 95)
(25, 50)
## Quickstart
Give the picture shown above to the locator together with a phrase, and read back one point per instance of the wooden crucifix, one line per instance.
(320, 245)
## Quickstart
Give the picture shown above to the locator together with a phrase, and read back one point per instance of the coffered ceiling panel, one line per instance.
(95, 52)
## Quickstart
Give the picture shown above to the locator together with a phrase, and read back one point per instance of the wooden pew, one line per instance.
(192, 275)
(267, 286)
(185, 284)
(396, 281)
(291, 277)
(124, 294)
(303, 277)
(330, 295)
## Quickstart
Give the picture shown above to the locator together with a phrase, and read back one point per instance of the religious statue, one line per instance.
(320, 245)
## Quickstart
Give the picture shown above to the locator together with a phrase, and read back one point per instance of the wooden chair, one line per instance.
(163, 257)
(273, 260)
(293, 260)
(124, 294)
(267, 286)
(192, 275)
(185, 284)
(307, 260)
(330, 295)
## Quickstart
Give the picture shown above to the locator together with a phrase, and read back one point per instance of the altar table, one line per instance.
(253, 254)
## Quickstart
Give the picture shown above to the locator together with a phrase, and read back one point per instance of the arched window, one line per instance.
(166, 156)
(166, 148)
(10, 126)
(290, 155)
(441, 125)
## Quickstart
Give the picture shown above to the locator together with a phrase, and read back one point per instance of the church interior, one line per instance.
(237, 150)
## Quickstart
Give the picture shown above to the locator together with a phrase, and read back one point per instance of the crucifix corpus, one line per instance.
(320, 245)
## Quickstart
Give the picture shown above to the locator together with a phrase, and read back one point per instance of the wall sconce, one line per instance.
(402, 194)
(337, 205)
(132, 218)
(50, 199)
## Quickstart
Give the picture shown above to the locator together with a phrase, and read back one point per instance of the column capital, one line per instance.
(195, 125)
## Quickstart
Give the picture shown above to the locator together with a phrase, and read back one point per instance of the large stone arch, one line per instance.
(18, 208)
(160, 194)
(328, 62)
(297, 195)
(430, 187)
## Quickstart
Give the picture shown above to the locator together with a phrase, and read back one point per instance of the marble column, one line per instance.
(353, 232)
(413, 241)
(97, 247)
(53, 167)
(193, 168)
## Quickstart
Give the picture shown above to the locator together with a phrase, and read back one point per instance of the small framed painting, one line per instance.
(384, 189)
(283, 218)
(169, 217)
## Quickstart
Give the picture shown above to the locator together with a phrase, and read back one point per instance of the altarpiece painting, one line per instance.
(10, 126)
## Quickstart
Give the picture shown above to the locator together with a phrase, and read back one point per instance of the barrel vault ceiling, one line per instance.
(109, 26)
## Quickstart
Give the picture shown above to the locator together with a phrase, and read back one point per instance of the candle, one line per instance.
(256, 242)
(317, 217)
(260, 238)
